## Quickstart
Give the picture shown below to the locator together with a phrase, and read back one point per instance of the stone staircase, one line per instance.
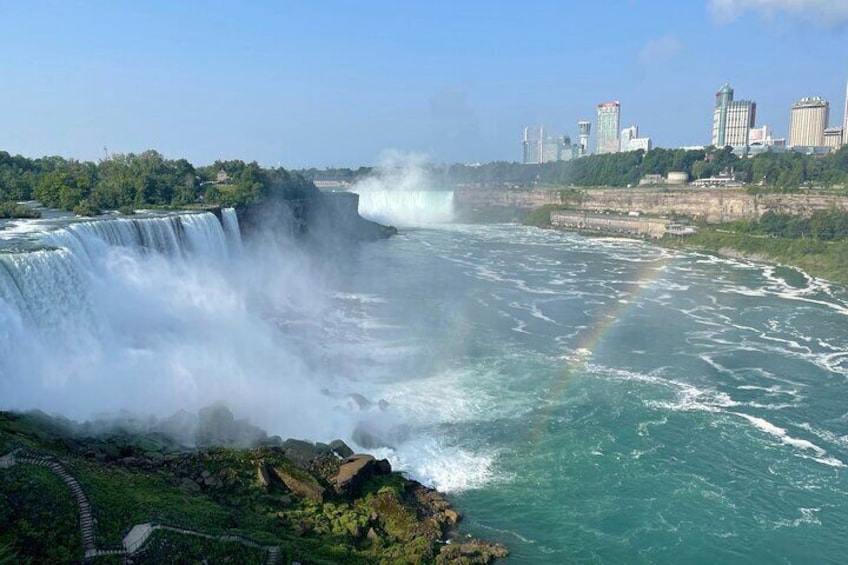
(89, 544)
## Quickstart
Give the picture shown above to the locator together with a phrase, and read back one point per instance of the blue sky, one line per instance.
(336, 83)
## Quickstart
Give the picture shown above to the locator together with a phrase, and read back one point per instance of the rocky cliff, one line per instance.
(712, 206)
(328, 217)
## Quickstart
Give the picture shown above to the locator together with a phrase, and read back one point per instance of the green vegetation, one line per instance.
(818, 245)
(788, 171)
(774, 171)
(541, 216)
(134, 181)
(14, 210)
(219, 493)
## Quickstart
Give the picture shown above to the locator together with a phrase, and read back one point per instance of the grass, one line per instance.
(827, 260)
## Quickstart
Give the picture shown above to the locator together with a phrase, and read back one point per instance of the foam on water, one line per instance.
(783, 436)
(448, 468)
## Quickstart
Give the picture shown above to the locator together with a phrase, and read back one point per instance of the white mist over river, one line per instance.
(583, 399)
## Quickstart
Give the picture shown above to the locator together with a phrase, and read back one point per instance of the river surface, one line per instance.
(608, 401)
(582, 400)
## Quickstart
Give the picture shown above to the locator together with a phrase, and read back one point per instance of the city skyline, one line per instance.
(302, 86)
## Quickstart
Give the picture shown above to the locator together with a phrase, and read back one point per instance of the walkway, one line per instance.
(138, 535)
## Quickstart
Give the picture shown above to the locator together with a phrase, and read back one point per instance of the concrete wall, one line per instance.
(642, 227)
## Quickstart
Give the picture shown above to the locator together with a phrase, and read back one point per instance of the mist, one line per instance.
(401, 192)
(93, 329)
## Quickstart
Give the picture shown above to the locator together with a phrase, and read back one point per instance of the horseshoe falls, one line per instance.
(407, 208)
(583, 400)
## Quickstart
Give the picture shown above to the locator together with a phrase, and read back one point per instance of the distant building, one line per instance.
(833, 138)
(630, 140)
(732, 119)
(532, 145)
(539, 149)
(584, 127)
(609, 120)
(627, 135)
(808, 120)
(556, 149)
(222, 176)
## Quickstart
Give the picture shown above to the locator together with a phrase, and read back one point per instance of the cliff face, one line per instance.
(331, 216)
(713, 206)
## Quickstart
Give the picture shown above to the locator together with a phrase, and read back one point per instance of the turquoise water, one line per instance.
(605, 401)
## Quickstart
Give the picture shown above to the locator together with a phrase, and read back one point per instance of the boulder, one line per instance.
(188, 484)
(340, 448)
(452, 515)
(300, 452)
(353, 473)
(262, 475)
(382, 467)
(300, 483)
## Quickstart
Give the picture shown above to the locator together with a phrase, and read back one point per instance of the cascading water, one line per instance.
(408, 208)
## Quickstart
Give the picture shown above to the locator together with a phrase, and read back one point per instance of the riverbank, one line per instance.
(821, 259)
(816, 257)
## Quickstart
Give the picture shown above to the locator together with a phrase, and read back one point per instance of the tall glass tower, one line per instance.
(609, 121)
(724, 97)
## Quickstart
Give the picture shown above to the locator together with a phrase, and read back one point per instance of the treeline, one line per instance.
(132, 181)
(823, 225)
(778, 171)
(788, 170)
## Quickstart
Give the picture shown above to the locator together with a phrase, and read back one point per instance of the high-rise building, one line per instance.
(532, 145)
(584, 127)
(732, 119)
(723, 98)
(539, 149)
(808, 121)
(627, 135)
(630, 140)
(609, 120)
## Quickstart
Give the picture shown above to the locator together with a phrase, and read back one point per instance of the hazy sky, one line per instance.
(335, 83)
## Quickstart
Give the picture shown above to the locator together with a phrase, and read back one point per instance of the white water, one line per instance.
(157, 314)
(407, 208)
(401, 193)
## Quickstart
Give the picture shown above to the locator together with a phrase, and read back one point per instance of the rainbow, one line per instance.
(605, 321)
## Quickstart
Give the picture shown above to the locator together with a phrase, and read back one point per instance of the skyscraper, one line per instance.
(723, 98)
(532, 145)
(609, 120)
(732, 119)
(807, 122)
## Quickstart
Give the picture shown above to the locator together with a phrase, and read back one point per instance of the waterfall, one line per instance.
(51, 286)
(407, 208)
(231, 228)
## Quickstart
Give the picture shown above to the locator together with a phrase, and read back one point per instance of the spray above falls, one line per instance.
(157, 314)
(400, 192)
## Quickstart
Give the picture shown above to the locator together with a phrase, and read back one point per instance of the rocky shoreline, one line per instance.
(310, 502)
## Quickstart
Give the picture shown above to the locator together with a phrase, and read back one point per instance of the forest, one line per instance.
(129, 181)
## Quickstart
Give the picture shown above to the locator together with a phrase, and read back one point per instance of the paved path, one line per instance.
(138, 535)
